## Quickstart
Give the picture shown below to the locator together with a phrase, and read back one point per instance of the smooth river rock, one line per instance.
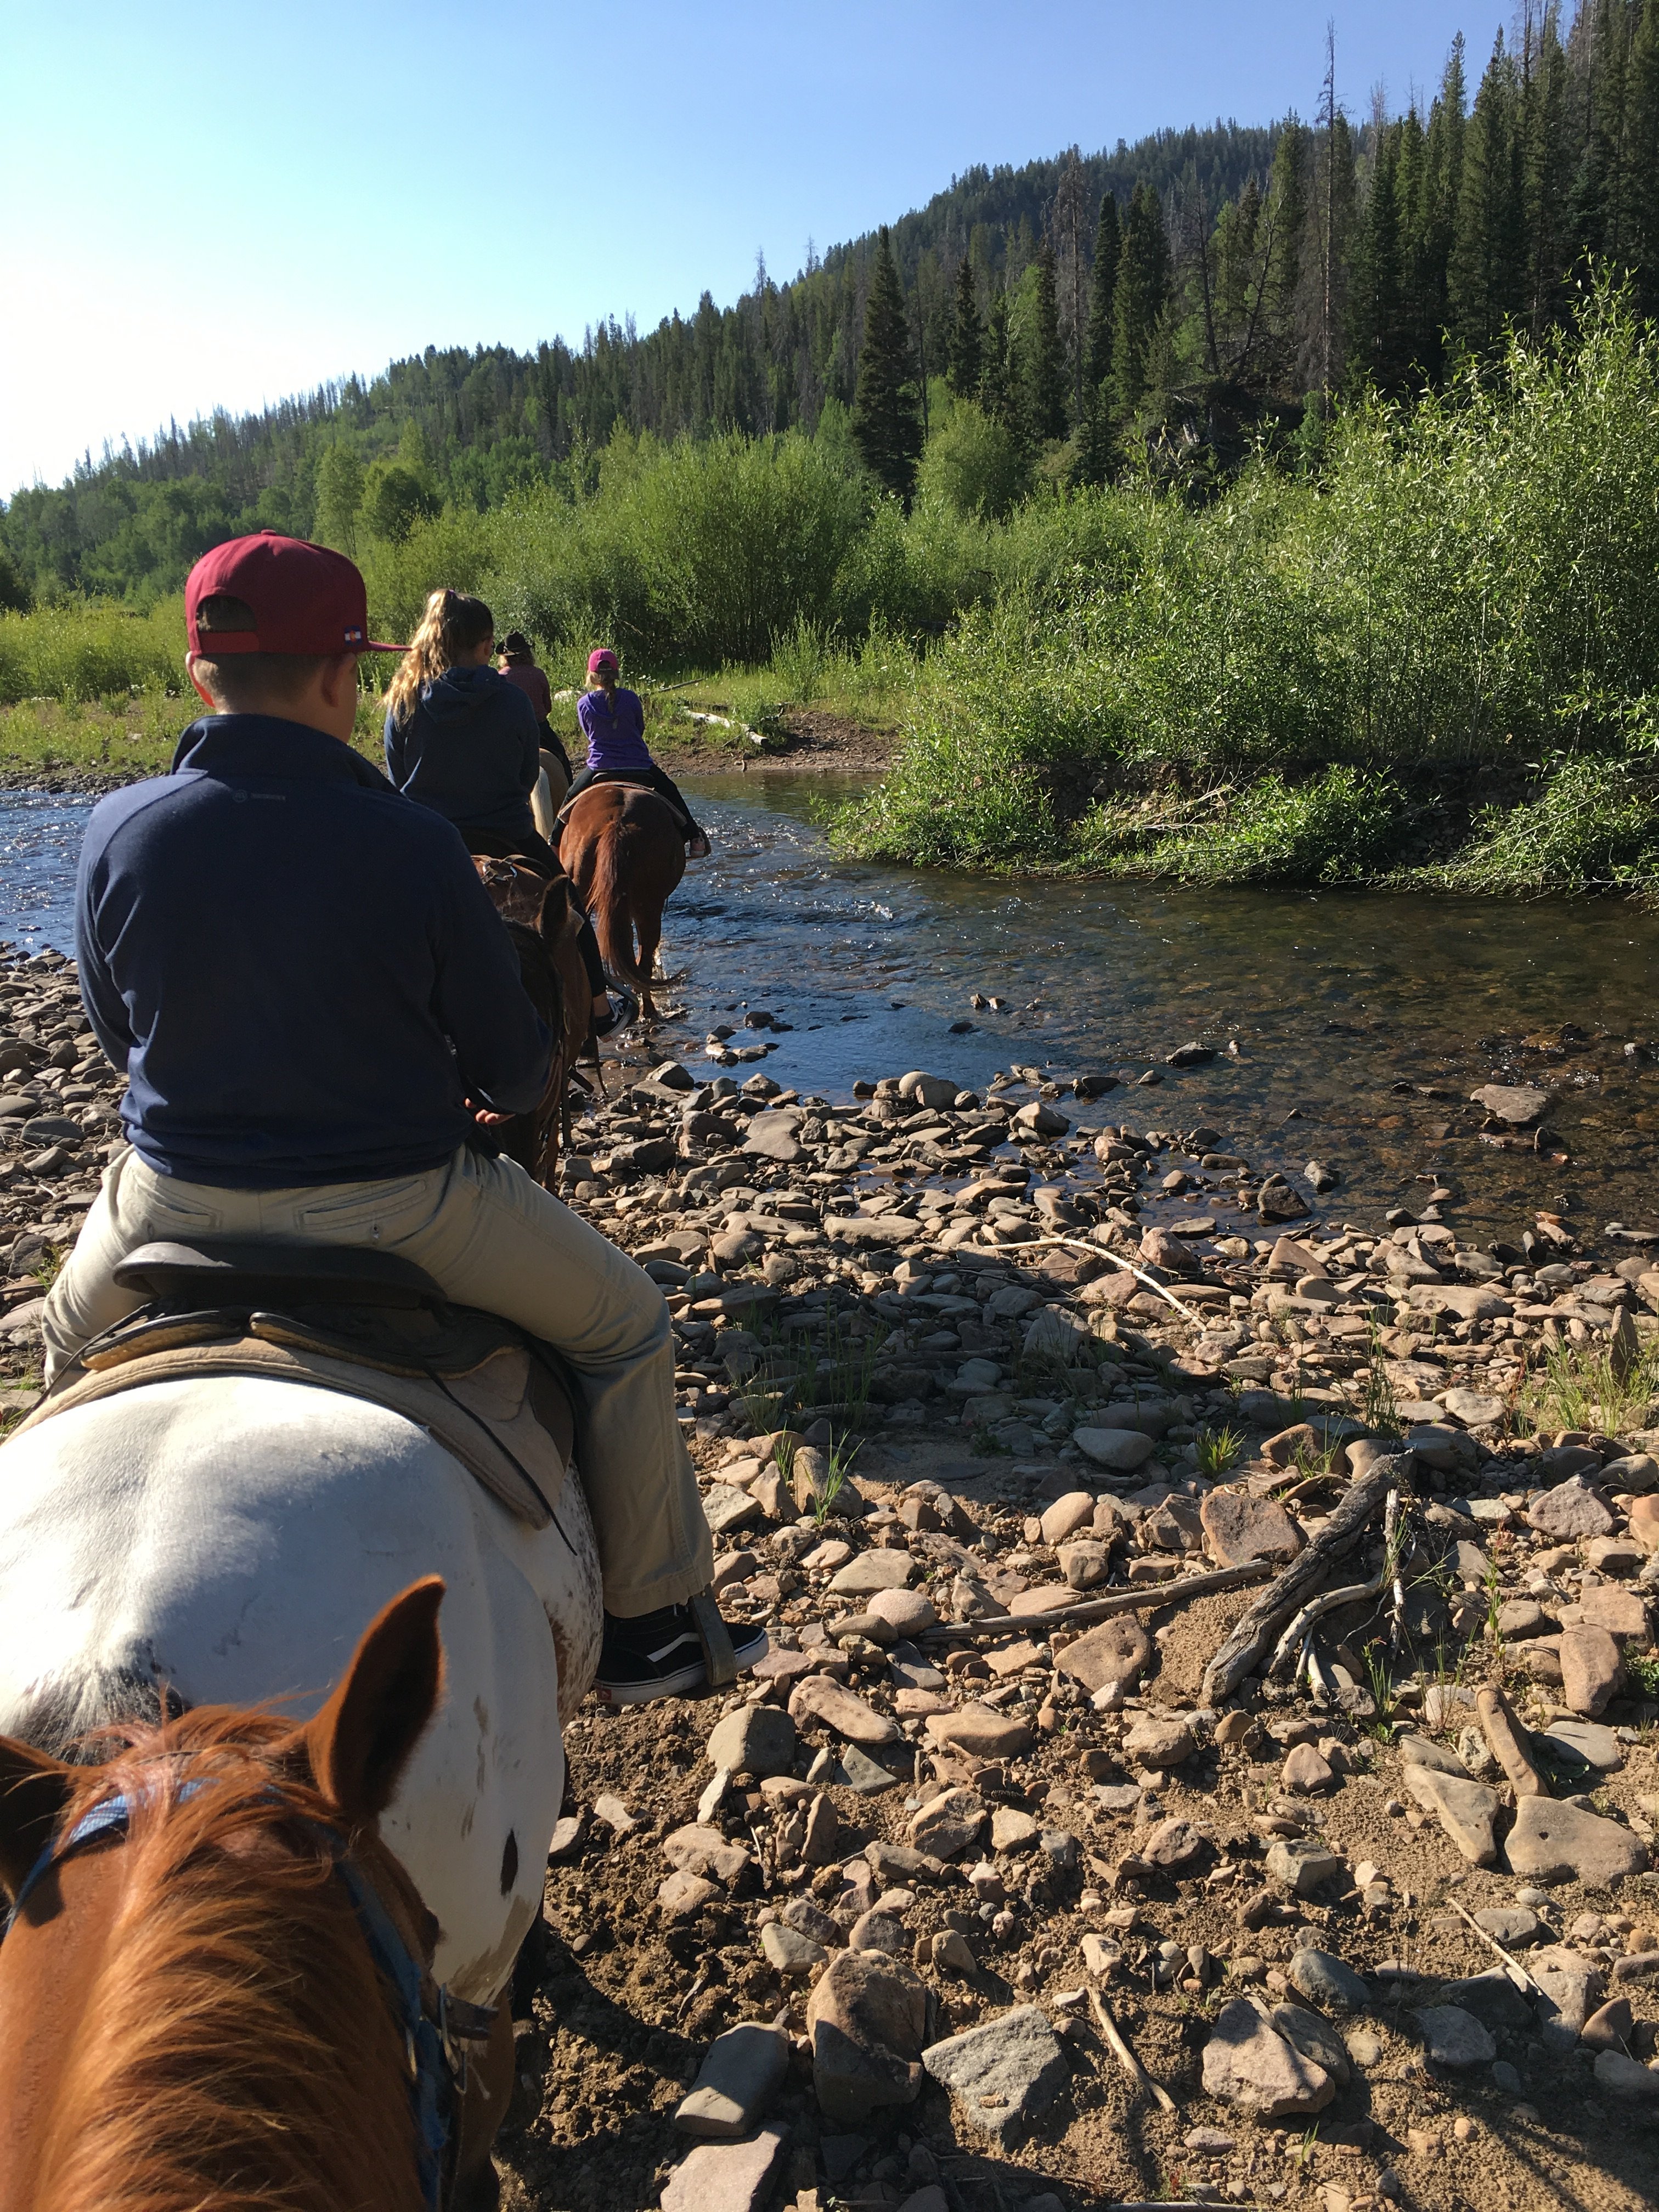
(1558, 1842)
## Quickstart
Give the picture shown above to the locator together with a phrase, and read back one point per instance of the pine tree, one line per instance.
(1102, 283)
(1545, 178)
(886, 412)
(1484, 277)
(1045, 378)
(1287, 217)
(1443, 182)
(1642, 142)
(1422, 305)
(1376, 327)
(1097, 447)
(965, 358)
(1143, 286)
(999, 385)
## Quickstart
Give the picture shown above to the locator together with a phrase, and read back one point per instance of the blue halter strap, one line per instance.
(432, 2065)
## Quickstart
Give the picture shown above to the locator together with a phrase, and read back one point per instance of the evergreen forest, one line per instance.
(1162, 309)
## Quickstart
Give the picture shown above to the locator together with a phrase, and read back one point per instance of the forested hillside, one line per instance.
(1076, 319)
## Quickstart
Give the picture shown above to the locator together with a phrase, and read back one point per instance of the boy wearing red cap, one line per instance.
(315, 1002)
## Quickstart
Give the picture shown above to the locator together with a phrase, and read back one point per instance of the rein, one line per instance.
(436, 2027)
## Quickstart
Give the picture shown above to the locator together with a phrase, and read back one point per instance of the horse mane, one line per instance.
(237, 2049)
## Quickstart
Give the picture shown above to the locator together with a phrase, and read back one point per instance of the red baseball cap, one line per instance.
(304, 599)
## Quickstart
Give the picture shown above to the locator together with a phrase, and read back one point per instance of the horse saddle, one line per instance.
(632, 780)
(367, 1324)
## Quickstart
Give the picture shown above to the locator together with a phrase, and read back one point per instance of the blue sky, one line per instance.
(214, 206)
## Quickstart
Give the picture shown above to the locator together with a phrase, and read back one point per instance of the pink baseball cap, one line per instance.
(601, 658)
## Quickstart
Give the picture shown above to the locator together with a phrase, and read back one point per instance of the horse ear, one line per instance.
(360, 1741)
(34, 1788)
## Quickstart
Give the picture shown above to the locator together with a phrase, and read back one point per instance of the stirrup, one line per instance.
(715, 1637)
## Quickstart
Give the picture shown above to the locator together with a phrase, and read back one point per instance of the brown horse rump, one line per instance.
(630, 780)
(472, 1380)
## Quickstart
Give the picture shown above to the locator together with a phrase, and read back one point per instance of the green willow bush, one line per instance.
(1473, 582)
(84, 650)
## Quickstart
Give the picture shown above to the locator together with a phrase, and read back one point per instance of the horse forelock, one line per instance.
(238, 2047)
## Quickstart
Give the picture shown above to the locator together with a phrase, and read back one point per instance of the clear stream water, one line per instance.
(1362, 1021)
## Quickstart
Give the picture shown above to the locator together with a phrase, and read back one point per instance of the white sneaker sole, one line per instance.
(683, 1681)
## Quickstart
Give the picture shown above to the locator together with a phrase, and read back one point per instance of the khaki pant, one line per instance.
(488, 1237)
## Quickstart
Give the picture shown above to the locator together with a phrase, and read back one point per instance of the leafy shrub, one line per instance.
(85, 649)
(1340, 827)
(1594, 827)
(972, 465)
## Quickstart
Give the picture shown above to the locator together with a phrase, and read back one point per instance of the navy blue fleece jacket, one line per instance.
(471, 750)
(299, 972)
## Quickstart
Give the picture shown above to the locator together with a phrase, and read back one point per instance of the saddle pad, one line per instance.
(486, 1419)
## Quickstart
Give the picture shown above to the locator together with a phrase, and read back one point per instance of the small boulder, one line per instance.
(741, 2073)
(1249, 2063)
(865, 2019)
(982, 1731)
(1560, 1842)
(1117, 1651)
(1592, 1669)
(1571, 1511)
(1325, 1979)
(1003, 2073)
(757, 1740)
(1159, 1740)
(1452, 2037)
(1239, 1531)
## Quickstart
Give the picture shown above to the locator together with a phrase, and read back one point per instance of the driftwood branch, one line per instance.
(1144, 1597)
(1315, 1608)
(1125, 2058)
(1522, 1976)
(1099, 1252)
(1241, 1652)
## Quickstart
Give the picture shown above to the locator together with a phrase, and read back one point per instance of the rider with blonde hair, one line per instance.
(462, 740)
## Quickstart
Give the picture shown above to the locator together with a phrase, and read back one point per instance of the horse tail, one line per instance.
(612, 908)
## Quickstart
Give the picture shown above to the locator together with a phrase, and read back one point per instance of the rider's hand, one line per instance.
(487, 1117)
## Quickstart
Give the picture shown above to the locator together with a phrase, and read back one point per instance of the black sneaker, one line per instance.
(660, 1655)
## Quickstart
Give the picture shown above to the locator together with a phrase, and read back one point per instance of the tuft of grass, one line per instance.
(1379, 1409)
(843, 1454)
(1581, 1386)
(1217, 1451)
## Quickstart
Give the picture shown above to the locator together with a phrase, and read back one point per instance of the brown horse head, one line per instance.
(190, 2013)
(625, 851)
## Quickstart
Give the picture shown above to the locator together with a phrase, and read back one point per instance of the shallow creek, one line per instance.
(1361, 1022)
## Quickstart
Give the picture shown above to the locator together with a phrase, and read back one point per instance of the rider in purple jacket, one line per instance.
(613, 722)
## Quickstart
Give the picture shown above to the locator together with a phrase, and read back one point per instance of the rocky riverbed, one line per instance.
(985, 1892)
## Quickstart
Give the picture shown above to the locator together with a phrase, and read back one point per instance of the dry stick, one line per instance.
(1241, 1650)
(1143, 1599)
(1503, 1736)
(1517, 1972)
(1099, 1252)
(1125, 2058)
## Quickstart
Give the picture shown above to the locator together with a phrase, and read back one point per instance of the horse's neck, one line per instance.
(162, 2047)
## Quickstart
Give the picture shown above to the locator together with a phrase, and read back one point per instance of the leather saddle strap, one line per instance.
(718, 1657)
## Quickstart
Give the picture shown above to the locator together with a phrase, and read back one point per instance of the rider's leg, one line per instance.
(579, 782)
(488, 1237)
(695, 836)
